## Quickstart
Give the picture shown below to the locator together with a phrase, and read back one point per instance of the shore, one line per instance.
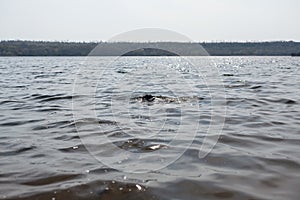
(47, 48)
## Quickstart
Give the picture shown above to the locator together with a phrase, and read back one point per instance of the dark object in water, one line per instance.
(148, 97)
(256, 87)
(295, 54)
(289, 101)
(121, 72)
(228, 75)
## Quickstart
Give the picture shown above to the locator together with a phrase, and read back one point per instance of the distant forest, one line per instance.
(43, 48)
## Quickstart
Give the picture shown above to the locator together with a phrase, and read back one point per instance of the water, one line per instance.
(53, 134)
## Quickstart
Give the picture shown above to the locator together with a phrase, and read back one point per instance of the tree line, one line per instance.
(45, 48)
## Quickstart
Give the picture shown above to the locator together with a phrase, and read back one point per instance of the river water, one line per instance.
(149, 128)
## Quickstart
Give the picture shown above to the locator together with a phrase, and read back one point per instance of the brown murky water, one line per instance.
(50, 149)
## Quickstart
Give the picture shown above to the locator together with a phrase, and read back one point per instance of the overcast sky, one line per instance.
(200, 20)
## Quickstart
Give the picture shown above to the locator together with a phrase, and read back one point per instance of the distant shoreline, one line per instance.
(45, 48)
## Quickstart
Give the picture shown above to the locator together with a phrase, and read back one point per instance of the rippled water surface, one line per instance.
(133, 128)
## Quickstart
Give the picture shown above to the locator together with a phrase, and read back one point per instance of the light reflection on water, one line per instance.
(256, 157)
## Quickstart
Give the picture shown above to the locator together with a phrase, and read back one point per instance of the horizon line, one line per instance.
(102, 41)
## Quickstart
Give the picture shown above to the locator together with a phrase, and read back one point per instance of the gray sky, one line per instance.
(200, 20)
